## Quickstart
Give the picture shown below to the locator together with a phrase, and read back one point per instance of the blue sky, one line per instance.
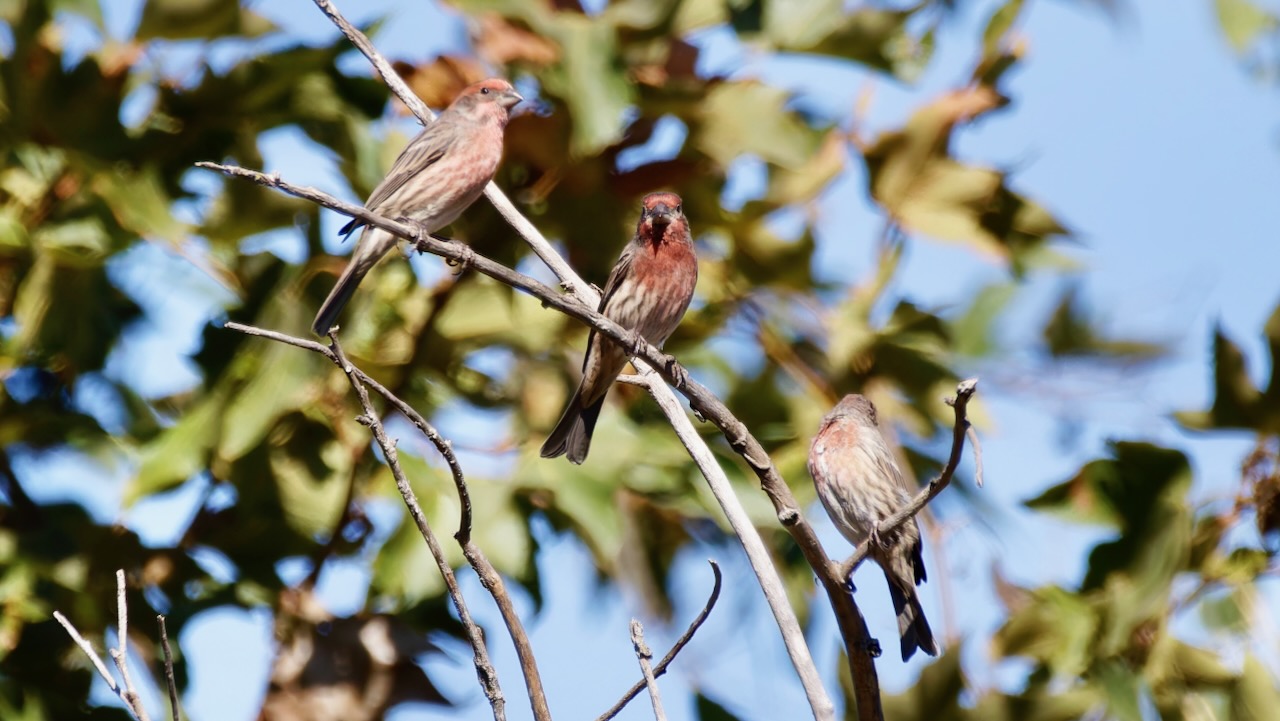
(1145, 136)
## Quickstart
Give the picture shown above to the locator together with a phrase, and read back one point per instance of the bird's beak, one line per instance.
(662, 213)
(510, 99)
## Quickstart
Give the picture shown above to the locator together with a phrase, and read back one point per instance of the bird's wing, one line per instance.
(620, 271)
(423, 151)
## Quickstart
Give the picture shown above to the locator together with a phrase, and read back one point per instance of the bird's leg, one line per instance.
(872, 647)
(873, 537)
(635, 342)
(848, 582)
(461, 264)
(422, 231)
(679, 376)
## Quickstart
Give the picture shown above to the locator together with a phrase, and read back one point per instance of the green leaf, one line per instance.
(140, 203)
(1056, 628)
(591, 82)
(1071, 333)
(81, 242)
(998, 26)
(180, 451)
(273, 381)
(1237, 402)
(974, 331)
(312, 472)
(90, 9)
(1255, 697)
(935, 696)
(1243, 22)
(199, 19)
(750, 117)
(1123, 689)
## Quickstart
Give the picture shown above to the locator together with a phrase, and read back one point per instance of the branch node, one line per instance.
(789, 516)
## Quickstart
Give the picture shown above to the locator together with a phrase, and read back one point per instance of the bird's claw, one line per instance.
(874, 537)
(679, 376)
(872, 647)
(698, 414)
(464, 262)
(635, 342)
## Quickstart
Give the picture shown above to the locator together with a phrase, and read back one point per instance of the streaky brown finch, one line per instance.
(436, 177)
(860, 486)
(648, 292)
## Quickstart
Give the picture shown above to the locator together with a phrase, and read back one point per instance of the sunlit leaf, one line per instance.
(1243, 21)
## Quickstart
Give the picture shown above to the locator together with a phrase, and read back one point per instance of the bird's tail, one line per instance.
(372, 246)
(913, 627)
(572, 435)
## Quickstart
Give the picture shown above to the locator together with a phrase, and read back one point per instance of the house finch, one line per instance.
(648, 292)
(438, 175)
(860, 486)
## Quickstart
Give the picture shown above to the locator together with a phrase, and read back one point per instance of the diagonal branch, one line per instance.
(645, 656)
(175, 709)
(489, 577)
(121, 655)
(357, 378)
(703, 402)
(961, 429)
(124, 690)
(681, 642)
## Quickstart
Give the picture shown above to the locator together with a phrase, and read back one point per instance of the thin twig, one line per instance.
(174, 707)
(701, 400)
(644, 655)
(488, 575)
(484, 669)
(121, 655)
(964, 391)
(739, 520)
(972, 435)
(88, 651)
(681, 642)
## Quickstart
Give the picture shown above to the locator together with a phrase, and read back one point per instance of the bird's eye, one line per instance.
(484, 91)
(679, 208)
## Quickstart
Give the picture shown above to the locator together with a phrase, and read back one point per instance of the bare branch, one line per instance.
(645, 656)
(739, 521)
(484, 668)
(88, 651)
(683, 641)
(488, 575)
(121, 655)
(960, 403)
(174, 707)
(972, 435)
(701, 401)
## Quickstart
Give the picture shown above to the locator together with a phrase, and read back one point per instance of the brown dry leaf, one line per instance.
(440, 81)
(681, 64)
(500, 42)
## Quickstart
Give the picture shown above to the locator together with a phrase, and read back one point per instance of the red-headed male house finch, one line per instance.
(648, 292)
(438, 175)
(860, 486)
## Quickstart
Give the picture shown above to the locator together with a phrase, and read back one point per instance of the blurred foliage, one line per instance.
(99, 149)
